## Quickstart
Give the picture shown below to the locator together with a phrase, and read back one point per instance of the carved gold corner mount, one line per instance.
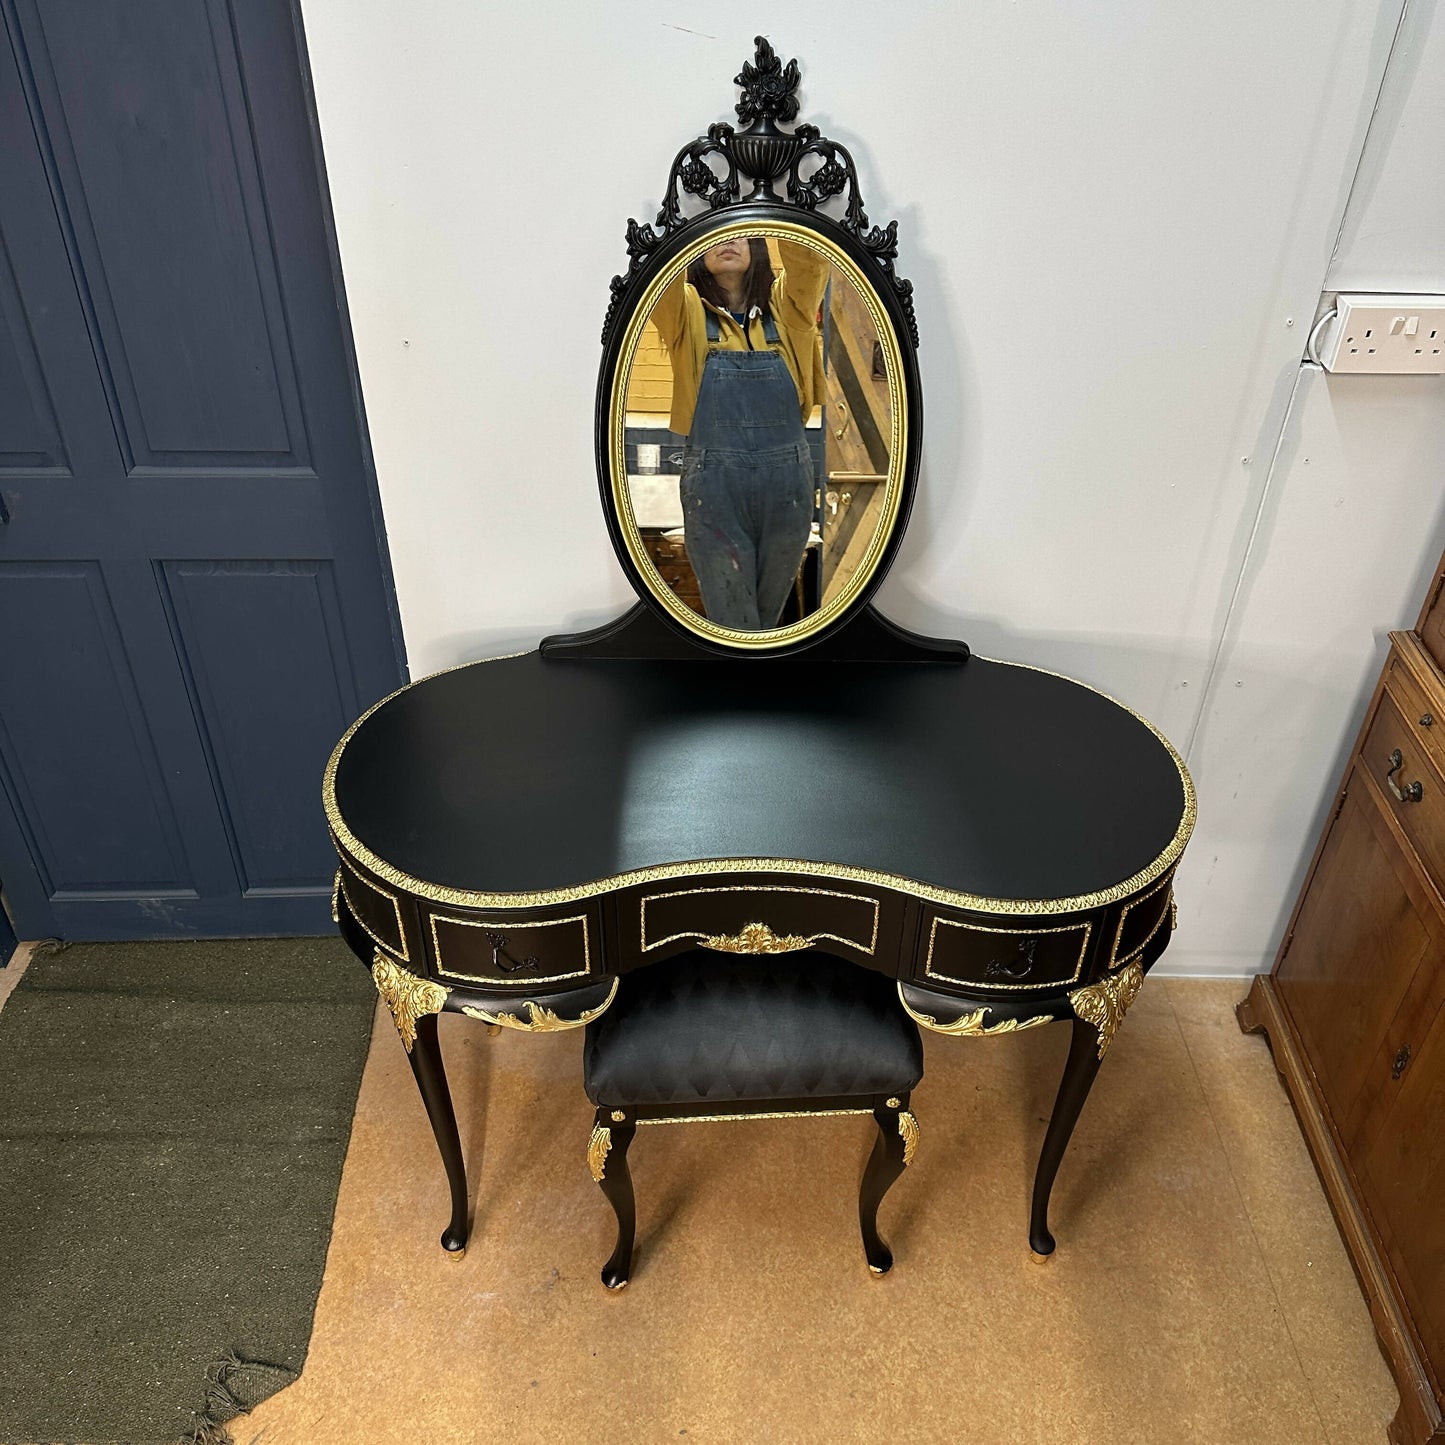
(407, 996)
(1105, 1003)
(908, 1128)
(597, 1147)
(971, 1025)
(756, 938)
(539, 1019)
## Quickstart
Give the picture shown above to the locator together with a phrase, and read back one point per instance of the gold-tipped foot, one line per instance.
(1039, 1258)
(873, 1269)
(455, 1253)
(618, 1288)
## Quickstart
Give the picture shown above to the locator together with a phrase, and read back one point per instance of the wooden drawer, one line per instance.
(1399, 764)
(562, 947)
(1431, 625)
(1425, 719)
(962, 950)
(762, 918)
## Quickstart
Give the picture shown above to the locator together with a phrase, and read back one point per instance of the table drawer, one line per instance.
(493, 949)
(382, 914)
(966, 951)
(763, 918)
(1140, 919)
(1399, 764)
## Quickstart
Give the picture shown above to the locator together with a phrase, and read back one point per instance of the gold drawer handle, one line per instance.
(1411, 792)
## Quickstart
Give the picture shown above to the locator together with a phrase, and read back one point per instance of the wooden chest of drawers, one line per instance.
(1355, 1013)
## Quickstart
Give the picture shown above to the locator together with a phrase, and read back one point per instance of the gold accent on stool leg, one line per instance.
(756, 938)
(542, 1020)
(618, 1117)
(455, 1253)
(908, 1128)
(970, 1025)
(597, 1147)
(336, 899)
(1105, 1003)
(894, 1103)
(407, 996)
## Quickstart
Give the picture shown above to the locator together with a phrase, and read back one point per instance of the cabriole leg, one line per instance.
(892, 1150)
(426, 1065)
(1079, 1074)
(607, 1159)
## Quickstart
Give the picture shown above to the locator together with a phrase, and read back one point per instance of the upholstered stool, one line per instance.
(728, 1036)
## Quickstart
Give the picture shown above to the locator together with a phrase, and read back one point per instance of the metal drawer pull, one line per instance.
(1401, 1059)
(1411, 792)
(1427, 720)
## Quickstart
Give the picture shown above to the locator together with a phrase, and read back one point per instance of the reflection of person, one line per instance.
(747, 369)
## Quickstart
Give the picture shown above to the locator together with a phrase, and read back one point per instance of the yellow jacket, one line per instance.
(681, 320)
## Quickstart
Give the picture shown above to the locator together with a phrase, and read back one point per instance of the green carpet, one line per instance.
(173, 1120)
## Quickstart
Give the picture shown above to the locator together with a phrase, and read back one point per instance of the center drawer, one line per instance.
(969, 952)
(760, 918)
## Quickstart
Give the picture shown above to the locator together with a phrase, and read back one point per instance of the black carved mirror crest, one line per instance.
(712, 168)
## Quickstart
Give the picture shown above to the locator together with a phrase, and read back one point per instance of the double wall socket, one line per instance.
(1382, 334)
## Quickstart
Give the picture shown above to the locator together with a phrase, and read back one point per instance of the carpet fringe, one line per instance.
(235, 1386)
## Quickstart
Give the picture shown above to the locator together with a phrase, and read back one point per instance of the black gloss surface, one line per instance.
(528, 773)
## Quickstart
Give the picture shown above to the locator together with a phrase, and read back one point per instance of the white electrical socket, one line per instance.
(1385, 334)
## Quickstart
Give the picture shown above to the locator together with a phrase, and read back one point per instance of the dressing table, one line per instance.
(517, 835)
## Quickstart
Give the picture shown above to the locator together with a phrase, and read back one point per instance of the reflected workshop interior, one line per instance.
(773, 320)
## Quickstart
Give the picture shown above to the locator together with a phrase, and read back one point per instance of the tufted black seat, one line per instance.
(728, 1028)
(706, 1034)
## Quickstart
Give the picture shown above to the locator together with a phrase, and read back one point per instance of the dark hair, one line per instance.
(759, 279)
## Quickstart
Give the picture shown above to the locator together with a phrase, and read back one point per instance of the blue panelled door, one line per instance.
(195, 597)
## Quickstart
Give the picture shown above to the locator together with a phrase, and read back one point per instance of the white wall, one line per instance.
(1118, 220)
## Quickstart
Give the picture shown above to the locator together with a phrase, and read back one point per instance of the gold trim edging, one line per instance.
(737, 1118)
(1105, 1003)
(541, 1020)
(348, 844)
(970, 1025)
(908, 1128)
(597, 1147)
(407, 996)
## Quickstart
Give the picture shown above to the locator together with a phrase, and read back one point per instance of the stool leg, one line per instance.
(607, 1158)
(892, 1150)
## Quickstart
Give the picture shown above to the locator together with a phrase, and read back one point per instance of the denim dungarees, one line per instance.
(747, 484)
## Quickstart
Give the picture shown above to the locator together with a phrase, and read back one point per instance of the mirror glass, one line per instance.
(757, 432)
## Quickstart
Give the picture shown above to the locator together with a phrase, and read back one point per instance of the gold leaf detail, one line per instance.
(407, 996)
(597, 1147)
(336, 899)
(756, 938)
(908, 1128)
(971, 1025)
(541, 1020)
(1105, 1003)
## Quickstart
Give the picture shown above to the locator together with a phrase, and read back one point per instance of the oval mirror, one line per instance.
(757, 406)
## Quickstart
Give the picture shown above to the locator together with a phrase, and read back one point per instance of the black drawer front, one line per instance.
(760, 918)
(1140, 919)
(379, 912)
(494, 949)
(965, 951)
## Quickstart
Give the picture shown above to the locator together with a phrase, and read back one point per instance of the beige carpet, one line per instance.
(1199, 1293)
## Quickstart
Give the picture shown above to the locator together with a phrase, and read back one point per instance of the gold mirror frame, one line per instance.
(805, 627)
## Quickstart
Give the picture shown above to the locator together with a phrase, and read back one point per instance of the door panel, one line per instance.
(195, 593)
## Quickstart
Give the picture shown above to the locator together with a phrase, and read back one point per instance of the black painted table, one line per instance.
(517, 835)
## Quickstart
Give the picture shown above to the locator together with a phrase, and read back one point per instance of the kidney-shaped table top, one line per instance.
(981, 783)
